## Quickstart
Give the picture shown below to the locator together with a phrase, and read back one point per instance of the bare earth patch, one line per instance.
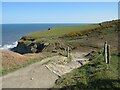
(12, 59)
(63, 65)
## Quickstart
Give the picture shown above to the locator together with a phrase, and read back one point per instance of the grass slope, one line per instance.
(95, 75)
(59, 31)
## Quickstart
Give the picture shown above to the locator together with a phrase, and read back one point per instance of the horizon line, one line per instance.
(50, 23)
(57, 22)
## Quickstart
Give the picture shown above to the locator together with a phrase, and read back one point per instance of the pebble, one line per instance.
(31, 78)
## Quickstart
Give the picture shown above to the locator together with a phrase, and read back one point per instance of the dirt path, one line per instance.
(64, 65)
(38, 75)
(33, 76)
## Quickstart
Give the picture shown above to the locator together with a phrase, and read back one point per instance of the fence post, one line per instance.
(68, 52)
(105, 52)
(65, 50)
(108, 54)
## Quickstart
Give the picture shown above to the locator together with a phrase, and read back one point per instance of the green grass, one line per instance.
(93, 76)
(59, 31)
(48, 62)
(55, 33)
(63, 53)
(62, 30)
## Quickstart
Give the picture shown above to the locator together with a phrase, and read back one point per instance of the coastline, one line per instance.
(90, 41)
(13, 32)
(8, 46)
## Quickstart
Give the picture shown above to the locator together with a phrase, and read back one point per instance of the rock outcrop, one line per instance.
(30, 46)
(23, 48)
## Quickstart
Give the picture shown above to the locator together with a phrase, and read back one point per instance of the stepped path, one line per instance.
(42, 74)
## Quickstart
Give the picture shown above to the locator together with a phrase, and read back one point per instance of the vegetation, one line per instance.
(54, 33)
(59, 31)
(66, 31)
(63, 54)
(48, 62)
(94, 75)
(38, 41)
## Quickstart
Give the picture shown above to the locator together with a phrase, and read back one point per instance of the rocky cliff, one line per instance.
(28, 46)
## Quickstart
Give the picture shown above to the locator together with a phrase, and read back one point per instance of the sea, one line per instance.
(13, 32)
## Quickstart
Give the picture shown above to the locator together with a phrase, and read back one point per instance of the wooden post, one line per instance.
(65, 50)
(108, 54)
(105, 52)
(68, 52)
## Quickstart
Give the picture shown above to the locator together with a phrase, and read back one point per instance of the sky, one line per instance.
(60, 0)
(58, 12)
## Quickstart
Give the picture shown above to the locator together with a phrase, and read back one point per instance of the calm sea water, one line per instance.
(13, 32)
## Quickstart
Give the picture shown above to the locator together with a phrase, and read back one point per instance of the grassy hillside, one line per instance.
(95, 75)
(58, 31)
(51, 39)
(63, 30)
